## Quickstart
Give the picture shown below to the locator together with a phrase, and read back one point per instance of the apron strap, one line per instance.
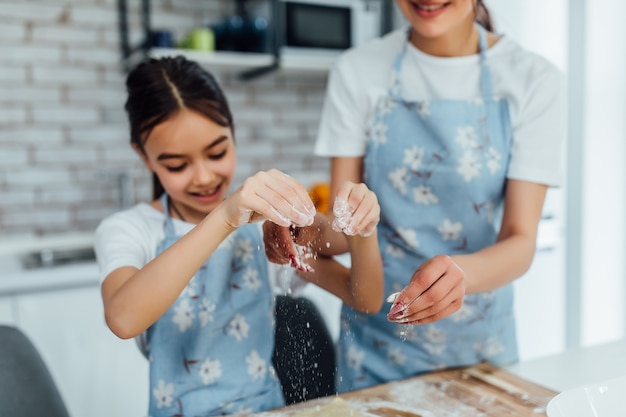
(169, 224)
(394, 81)
(485, 72)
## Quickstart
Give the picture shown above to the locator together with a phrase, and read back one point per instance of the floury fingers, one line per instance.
(342, 213)
(356, 210)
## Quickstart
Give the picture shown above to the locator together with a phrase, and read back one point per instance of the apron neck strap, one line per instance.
(169, 224)
(485, 73)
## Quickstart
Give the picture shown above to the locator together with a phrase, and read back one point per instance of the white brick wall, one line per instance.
(64, 75)
(21, 93)
(63, 132)
(13, 115)
(13, 157)
(25, 53)
(13, 74)
(12, 32)
(24, 135)
(86, 35)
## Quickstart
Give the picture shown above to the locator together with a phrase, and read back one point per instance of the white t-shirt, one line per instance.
(131, 237)
(532, 86)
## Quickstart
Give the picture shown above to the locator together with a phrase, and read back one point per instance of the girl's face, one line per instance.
(194, 158)
(433, 19)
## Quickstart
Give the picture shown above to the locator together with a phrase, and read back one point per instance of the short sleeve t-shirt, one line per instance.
(532, 86)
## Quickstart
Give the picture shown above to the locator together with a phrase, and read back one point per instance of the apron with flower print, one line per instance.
(439, 171)
(210, 353)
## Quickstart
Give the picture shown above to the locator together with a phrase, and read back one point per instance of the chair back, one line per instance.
(304, 352)
(26, 385)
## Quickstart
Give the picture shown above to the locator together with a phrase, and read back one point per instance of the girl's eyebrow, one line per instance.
(216, 142)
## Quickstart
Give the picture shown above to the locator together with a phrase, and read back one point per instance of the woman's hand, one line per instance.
(270, 195)
(356, 210)
(436, 291)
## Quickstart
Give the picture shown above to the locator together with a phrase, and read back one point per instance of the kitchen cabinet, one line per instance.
(98, 374)
(6, 311)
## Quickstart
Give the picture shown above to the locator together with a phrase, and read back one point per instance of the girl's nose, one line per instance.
(203, 174)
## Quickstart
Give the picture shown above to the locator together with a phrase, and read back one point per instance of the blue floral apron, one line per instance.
(210, 353)
(439, 171)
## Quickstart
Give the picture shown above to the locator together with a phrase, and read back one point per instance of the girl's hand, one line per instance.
(270, 195)
(356, 210)
(287, 245)
(279, 243)
(436, 291)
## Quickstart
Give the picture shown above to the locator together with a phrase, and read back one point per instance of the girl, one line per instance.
(458, 131)
(187, 271)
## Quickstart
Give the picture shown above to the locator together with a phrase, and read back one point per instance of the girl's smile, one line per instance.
(208, 195)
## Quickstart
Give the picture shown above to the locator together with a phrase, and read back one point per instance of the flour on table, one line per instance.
(338, 407)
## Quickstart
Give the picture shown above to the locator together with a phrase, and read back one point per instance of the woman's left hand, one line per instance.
(356, 210)
(436, 291)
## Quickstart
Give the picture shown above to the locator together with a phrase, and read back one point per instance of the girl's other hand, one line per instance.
(282, 247)
(356, 210)
(279, 245)
(436, 290)
(270, 195)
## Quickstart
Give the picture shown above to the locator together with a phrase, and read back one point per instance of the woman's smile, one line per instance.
(428, 10)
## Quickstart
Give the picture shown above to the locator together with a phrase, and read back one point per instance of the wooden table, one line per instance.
(481, 390)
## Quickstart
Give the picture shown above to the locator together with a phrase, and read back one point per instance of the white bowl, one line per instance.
(603, 399)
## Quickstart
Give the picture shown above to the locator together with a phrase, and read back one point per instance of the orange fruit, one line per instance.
(320, 195)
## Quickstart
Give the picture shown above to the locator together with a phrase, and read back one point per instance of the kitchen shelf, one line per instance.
(252, 65)
(321, 62)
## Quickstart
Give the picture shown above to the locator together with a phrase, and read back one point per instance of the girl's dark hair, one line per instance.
(483, 17)
(159, 88)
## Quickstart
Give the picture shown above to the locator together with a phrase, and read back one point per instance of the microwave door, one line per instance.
(317, 26)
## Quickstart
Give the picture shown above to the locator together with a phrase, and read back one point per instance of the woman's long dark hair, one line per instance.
(483, 17)
(159, 88)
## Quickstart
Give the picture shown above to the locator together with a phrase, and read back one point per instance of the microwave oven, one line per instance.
(329, 25)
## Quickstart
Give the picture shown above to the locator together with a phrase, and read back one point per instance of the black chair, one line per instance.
(304, 352)
(26, 386)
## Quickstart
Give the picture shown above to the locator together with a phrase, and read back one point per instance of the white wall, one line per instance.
(595, 200)
(540, 295)
(604, 150)
(538, 25)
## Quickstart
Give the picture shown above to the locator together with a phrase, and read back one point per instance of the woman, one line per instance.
(458, 131)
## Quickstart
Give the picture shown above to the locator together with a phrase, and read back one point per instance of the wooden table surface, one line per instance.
(480, 390)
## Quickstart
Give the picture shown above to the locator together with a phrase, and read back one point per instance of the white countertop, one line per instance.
(49, 279)
(576, 367)
(15, 279)
(26, 243)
